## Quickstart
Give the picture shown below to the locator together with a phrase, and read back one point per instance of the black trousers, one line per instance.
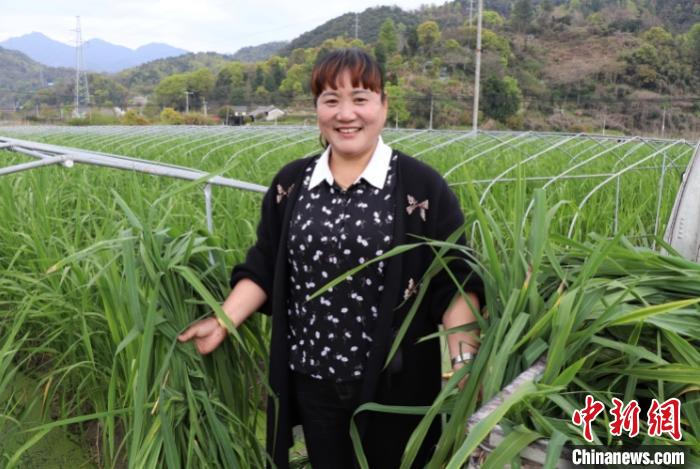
(325, 409)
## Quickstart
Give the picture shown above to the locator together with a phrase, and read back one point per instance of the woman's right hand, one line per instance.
(207, 334)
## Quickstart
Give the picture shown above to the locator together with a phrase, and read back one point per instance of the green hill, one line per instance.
(21, 77)
(369, 22)
(144, 78)
(576, 65)
(260, 52)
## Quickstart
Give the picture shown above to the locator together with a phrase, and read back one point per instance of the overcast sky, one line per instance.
(195, 25)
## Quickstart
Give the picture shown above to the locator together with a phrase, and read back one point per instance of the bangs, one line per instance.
(363, 69)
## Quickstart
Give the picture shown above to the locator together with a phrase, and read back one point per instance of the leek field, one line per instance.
(101, 268)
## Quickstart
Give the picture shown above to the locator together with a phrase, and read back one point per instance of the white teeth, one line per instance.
(347, 131)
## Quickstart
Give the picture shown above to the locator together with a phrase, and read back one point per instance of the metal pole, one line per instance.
(207, 204)
(663, 123)
(604, 118)
(617, 206)
(657, 222)
(31, 165)
(430, 126)
(129, 164)
(477, 72)
(210, 217)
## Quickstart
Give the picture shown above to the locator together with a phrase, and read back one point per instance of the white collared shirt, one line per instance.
(375, 172)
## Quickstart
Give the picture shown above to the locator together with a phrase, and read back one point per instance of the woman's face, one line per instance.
(350, 119)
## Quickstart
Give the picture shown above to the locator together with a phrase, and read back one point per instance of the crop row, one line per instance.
(102, 268)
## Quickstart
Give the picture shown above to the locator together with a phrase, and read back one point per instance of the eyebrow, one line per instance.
(333, 92)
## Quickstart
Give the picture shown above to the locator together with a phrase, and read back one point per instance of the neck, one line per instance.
(346, 169)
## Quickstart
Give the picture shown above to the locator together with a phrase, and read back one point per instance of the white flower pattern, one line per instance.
(332, 233)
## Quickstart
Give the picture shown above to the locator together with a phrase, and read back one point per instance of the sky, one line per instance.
(195, 25)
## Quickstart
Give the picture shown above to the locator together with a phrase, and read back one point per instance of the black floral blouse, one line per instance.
(332, 231)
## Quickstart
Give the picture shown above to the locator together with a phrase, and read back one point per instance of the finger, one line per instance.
(187, 335)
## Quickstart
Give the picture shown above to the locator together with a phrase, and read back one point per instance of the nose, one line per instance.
(346, 111)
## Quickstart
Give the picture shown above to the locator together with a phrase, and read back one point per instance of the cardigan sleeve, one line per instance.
(260, 260)
(442, 286)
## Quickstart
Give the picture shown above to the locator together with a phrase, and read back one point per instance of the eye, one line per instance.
(360, 99)
(330, 101)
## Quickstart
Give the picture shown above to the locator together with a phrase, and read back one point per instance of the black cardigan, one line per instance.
(413, 378)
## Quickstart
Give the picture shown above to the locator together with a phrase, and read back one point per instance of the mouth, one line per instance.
(348, 130)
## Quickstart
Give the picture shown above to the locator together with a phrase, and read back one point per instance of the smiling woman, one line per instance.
(322, 217)
(351, 107)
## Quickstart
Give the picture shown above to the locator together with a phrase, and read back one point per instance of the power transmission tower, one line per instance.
(82, 92)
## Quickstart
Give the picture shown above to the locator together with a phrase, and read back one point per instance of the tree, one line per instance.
(398, 108)
(500, 98)
(170, 116)
(388, 37)
(693, 42)
(428, 35)
(132, 117)
(228, 81)
(411, 41)
(591, 6)
(292, 84)
(297, 57)
(380, 54)
(492, 18)
(201, 81)
(106, 92)
(491, 41)
(171, 91)
(658, 37)
(258, 77)
(545, 12)
(276, 72)
(547, 7)
(522, 15)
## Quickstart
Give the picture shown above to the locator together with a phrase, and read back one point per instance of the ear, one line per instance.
(385, 107)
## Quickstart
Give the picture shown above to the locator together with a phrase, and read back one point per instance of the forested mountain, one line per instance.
(21, 77)
(368, 24)
(144, 78)
(575, 65)
(259, 53)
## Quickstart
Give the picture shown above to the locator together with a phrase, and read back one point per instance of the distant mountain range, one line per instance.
(99, 55)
